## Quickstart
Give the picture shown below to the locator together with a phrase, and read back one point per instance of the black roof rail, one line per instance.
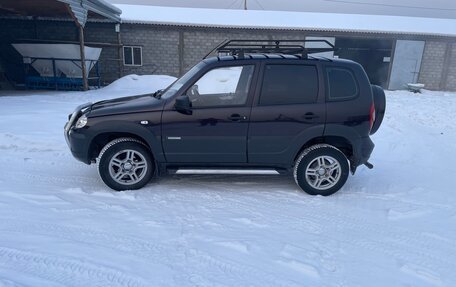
(290, 47)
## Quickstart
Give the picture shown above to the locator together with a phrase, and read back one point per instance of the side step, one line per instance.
(225, 171)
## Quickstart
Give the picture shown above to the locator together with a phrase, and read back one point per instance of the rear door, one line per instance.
(289, 110)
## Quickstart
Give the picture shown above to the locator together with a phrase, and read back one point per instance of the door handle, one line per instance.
(310, 116)
(237, 118)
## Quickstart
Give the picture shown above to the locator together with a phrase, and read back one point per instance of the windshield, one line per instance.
(174, 87)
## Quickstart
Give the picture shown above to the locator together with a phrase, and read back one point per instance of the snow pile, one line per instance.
(220, 81)
(286, 20)
(129, 85)
(390, 226)
(136, 85)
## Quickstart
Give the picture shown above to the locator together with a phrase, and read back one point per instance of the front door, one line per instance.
(216, 129)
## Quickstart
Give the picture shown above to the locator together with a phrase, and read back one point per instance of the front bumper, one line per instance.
(76, 140)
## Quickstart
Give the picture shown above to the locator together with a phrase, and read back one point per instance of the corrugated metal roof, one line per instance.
(79, 12)
(279, 20)
(103, 8)
(284, 28)
(80, 9)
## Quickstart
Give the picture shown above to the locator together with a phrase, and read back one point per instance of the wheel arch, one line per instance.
(340, 142)
(106, 134)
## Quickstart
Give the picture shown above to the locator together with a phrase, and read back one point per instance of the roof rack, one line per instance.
(290, 47)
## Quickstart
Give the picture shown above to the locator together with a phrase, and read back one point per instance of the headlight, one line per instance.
(82, 121)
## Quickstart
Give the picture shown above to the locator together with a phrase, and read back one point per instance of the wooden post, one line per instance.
(85, 83)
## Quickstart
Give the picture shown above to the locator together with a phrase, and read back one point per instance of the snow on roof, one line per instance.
(282, 20)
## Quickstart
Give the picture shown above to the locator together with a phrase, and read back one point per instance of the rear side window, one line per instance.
(341, 84)
(289, 84)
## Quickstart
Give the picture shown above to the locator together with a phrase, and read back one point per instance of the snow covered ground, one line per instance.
(60, 225)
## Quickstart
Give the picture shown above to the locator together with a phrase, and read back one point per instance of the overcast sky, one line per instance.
(419, 8)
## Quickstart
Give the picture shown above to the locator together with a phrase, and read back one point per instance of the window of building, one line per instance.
(289, 84)
(132, 55)
(225, 86)
(341, 84)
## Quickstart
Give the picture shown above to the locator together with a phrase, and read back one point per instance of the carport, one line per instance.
(78, 11)
(374, 54)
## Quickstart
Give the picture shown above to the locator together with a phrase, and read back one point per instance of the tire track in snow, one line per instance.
(68, 271)
(37, 178)
(414, 244)
(338, 218)
(159, 253)
(399, 243)
(402, 244)
(89, 236)
(430, 256)
(235, 270)
(11, 142)
(10, 277)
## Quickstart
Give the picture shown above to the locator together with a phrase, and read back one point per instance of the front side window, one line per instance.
(289, 84)
(341, 84)
(225, 86)
(132, 55)
(174, 87)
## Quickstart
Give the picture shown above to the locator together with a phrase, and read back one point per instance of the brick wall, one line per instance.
(161, 45)
(160, 48)
(110, 58)
(432, 64)
(198, 42)
(162, 55)
(173, 50)
(451, 76)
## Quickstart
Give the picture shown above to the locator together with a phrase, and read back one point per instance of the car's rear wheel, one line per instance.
(321, 170)
(125, 163)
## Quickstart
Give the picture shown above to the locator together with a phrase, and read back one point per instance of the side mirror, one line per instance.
(183, 105)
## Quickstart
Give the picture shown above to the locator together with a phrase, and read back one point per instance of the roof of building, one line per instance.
(58, 9)
(412, 8)
(282, 20)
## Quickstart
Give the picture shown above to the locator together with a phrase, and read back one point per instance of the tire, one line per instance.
(327, 170)
(380, 107)
(125, 164)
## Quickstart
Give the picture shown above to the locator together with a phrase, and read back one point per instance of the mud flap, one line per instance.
(352, 168)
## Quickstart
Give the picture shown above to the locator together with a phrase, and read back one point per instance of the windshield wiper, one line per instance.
(158, 94)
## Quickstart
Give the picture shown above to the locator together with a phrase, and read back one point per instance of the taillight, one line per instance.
(371, 116)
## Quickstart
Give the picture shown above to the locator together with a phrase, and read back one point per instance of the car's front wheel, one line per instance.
(125, 163)
(321, 170)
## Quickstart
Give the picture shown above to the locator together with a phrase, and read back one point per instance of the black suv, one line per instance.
(263, 105)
